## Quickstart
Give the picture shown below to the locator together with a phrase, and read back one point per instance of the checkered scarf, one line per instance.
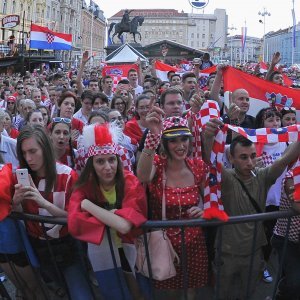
(213, 207)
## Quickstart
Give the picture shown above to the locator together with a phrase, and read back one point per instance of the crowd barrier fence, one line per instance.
(182, 225)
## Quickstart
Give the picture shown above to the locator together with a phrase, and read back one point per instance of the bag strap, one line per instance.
(163, 200)
(253, 202)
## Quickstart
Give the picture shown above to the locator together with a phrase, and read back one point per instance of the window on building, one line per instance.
(203, 35)
(48, 12)
(4, 6)
(13, 7)
(203, 44)
(198, 35)
(192, 44)
(192, 35)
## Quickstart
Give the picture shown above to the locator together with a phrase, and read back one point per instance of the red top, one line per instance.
(7, 183)
(133, 130)
(14, 133)
(83, 226)
(59, 196)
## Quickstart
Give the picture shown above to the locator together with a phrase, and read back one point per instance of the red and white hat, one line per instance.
(175, 126)
(99, 139)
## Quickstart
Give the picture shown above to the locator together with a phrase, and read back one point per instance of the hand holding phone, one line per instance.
(23, 177)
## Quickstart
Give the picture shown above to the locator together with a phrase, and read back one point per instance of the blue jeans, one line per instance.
(289, 284)
(76, 280)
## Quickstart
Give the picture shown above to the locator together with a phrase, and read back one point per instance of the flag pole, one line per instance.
(22, 53)
(293, 32)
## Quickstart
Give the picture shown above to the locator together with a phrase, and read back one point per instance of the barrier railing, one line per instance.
(182, 225)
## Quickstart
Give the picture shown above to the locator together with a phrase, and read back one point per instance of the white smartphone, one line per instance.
(22, 177)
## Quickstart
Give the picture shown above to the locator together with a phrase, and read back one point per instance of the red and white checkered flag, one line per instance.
(50, 37)
(212, 195)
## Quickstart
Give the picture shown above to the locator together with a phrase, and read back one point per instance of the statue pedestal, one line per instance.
(111, 48)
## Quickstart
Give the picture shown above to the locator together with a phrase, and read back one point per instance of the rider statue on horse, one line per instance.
(125, 22)
(126, 25)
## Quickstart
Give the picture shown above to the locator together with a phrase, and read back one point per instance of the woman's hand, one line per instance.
(154, 118)
(74, 135)
(32, 193)
(18, 195)
(195, 212)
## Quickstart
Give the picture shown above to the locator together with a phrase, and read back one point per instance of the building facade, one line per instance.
(198, 31)
(93, 32)
(67, 16)
(233, 52)
(282, 41)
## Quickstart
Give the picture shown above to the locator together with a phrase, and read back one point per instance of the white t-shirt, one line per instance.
(272, 152)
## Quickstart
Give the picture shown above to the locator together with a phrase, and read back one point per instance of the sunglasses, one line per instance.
(289, 108)
(10, 102)
(61, 120)
(20, 88)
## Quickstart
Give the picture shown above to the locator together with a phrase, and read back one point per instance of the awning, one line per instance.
(7, 63)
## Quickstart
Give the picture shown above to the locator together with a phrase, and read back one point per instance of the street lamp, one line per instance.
(264, 13)
(231, 41)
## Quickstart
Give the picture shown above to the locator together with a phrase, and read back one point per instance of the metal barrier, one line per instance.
(182, 224)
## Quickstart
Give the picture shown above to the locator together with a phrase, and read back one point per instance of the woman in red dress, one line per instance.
(182, 181)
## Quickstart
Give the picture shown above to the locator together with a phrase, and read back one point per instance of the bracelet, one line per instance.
(148, 152)
(152, 140)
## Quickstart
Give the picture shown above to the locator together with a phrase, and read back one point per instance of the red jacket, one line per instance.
(83, 226)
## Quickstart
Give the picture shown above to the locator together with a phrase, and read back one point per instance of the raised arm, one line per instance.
(145, 168)
(275, 60)
(216, 87)
(84, 60)
(208, 138)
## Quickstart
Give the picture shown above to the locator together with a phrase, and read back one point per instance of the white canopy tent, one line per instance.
(125, 54)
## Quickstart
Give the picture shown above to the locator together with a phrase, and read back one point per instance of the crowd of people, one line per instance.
(105, 156)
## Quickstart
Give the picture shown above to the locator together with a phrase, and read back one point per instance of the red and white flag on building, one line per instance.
(262, 93)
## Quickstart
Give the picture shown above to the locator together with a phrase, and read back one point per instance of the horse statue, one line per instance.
(131, 27)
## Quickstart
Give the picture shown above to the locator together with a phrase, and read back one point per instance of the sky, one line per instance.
(238, 11)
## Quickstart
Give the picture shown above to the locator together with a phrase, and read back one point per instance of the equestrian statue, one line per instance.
(126, 26)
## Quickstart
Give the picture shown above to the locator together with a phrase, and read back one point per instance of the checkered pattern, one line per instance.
(269, 135)
(296, 176)
(82, 156)
(212, 194)
(105, 149)
(285, 204)
(196, 134)
(125, 157)
(50, 37)
(152, 140)
(267, 160)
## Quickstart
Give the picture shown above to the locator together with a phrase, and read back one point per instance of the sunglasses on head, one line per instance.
(61, 120)
(286, 108)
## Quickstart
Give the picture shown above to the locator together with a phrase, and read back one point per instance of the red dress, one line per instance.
(178, 201)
